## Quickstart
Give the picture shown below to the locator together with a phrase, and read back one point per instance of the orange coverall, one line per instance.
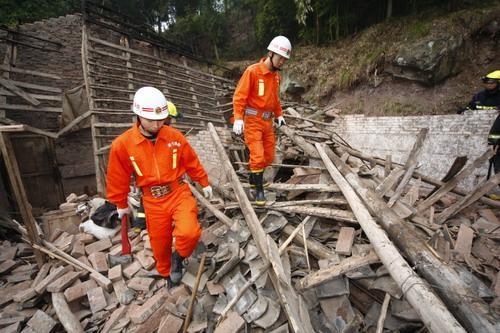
(161, 163)
(258, 89)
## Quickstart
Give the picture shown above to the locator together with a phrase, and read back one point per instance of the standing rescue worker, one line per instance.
(158, 156)
(489, 99)
(255, 104)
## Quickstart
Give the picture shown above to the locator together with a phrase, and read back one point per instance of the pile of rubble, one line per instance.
(309, 260)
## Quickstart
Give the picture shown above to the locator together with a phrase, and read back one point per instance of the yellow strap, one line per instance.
(174, 159)
(136, 167)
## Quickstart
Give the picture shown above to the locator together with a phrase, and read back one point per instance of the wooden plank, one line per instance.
(473, 313)
(449, 185)
(68, 320)
(29, 72)
(416, 174)
(463, 245)
(18, 91)
(297, 318)
(73, 123)
(410, 165)
(17, 186)
(474, 195)
(36, 86)
(21, 107)
(57, 98)
(326, 274)
(145, 55)
(345, 241)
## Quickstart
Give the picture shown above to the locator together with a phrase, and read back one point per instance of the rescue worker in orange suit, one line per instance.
(255, 105)
(159, 156)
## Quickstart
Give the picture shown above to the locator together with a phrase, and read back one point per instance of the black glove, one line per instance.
(461, 110)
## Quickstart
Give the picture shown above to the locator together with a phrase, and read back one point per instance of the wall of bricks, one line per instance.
(449, 136)
(205, 149)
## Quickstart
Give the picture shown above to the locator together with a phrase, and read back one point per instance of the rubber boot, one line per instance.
(251, 180)
(260, 198)
(176, 268)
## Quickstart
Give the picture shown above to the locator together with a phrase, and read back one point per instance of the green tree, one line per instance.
(14, 12)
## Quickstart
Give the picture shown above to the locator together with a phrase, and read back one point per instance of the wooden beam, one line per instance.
(472, 312)
(218, 214)
(429, 307)
(29, 72)
(73, 123)
(328, 213)
(18, 91)
(298, 316)
(476, 193)
(346, 265)
(410, 165)
(416, 174)
(300, 187)
(21, 107)
(68, 320)
(12, 167)
(449, 185)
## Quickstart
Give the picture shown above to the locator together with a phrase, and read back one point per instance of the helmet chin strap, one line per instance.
(146, 133)
(274, 69)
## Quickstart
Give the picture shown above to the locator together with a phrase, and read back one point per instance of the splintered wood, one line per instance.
(332, 250)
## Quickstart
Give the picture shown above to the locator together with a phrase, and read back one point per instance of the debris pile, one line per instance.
(309, 260)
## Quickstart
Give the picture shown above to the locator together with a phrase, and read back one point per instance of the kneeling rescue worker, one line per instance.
(255, 104)
(158, 156)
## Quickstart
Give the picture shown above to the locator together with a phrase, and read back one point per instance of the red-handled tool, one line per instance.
(126, 248)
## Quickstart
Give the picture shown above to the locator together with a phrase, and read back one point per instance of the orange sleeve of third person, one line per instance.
(118, 175)
(240, 98)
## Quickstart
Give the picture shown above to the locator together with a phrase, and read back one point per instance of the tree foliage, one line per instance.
(241, 28)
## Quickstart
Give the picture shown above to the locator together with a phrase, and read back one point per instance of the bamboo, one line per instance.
(194, 292)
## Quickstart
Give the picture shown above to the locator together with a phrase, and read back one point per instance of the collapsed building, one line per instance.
(389, 233)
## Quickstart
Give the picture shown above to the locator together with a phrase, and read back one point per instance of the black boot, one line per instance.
(251, 180)
(176, 268)
(260, 198)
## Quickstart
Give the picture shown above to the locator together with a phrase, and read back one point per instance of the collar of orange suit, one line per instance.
(263, 66)
(138, 137)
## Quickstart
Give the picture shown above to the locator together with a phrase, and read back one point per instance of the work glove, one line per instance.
(122, 211)
(281, 121)
(238, 127)
(207, 192)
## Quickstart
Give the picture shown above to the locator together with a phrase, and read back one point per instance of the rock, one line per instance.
(429, 61)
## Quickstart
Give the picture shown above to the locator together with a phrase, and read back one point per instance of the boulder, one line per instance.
(429, 61)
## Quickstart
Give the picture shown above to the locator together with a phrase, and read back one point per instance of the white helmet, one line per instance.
(150, 103)
(281, 45)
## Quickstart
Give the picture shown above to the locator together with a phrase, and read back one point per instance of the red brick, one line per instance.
(78, 249)
(99, 262)
(146, 261)
(463, 245)
(55, 274)
(148, 308)
(141, 283)
(79, 290)
(98, 246)
(232, 323)
(131, 269)
(63, 282)
(115, 273)
(41, 322)
(97, 300)
(171, 324)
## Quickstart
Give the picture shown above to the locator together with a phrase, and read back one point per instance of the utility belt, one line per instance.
(266, 115)
(159, 191)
